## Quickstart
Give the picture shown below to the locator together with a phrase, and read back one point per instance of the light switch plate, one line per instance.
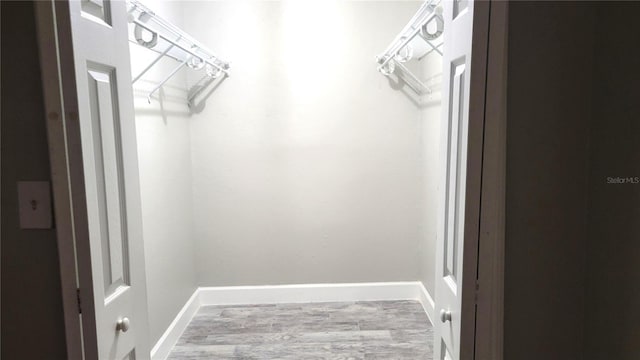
(34, 201)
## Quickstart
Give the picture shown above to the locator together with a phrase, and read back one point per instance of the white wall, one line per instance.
(307, 163)
(430, 166)
(165, 180)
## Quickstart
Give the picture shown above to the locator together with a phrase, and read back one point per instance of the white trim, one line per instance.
(280, 294)
(428, 304)
(170, 337)
(50, 30)
(274, 294)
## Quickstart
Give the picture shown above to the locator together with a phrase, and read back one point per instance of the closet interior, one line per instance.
(288, 143)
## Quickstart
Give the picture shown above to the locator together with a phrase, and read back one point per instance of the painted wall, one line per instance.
(613, 251)
(550, 106)
(32, 317)
(430, 166)
(164, 152)
(306, 161)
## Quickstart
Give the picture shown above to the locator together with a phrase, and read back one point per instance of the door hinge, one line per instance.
(79, 302)
(477, 291)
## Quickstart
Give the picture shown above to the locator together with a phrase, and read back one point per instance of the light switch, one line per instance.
(34, 201)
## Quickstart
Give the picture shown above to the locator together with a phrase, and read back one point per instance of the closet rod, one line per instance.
(414, 78)
(389, 55)
(166, 25)
(188, 51)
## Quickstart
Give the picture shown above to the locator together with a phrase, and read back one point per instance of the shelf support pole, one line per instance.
(182, 64)
(152, 63)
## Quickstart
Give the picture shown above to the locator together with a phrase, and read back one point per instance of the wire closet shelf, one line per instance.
(419, 38)
(167, 40)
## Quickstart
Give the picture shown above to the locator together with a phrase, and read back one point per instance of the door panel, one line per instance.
(459, 6)
(446, 355)
(109, 157)
(100, 9)
(455, 172)
(459, 190)
(108, 187)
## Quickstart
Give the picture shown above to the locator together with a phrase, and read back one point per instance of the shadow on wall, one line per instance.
(398, 82)
(173, 96)
(197, 96)
(170, 100)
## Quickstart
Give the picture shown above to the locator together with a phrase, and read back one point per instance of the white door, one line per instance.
(116, 287)
(459, 185)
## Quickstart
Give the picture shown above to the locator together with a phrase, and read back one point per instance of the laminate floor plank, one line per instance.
(369, 330)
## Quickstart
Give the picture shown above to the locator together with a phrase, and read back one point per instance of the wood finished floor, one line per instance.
(372, 330)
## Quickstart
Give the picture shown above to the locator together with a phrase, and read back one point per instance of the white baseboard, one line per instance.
(306, 293)
(427, 302)
(279, 294)
(170, 337)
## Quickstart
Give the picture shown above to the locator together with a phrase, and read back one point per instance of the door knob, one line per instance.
(122, 324)
(445, 315)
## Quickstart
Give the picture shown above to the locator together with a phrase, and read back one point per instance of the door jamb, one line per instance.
(489, 332)
(65, 156)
